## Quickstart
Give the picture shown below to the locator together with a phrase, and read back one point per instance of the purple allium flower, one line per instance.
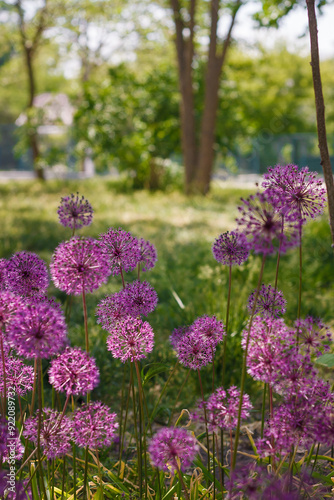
(170, 445)
(270, 302)
(193, 351)
(177, 335)
(10, 444)
(246, 482)
(295, 373)
(122, 249)
(18, 375)
(231, 248)
(16, 492)
(148, 255)
(138, 298)
(56, 432)
(265, 226)
(265, 348)
(79, 265)
(74, 372)
(51, 301)
(38, 331)
(131, 339)
(110, 311)
(75, 212)
(313, 335)
(209, 328)
(3, 274)
(222, 409)
(299, 193)
(27, 274)
(10, 304)
(94, 426)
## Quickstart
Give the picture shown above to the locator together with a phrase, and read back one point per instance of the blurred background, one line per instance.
(131, 88)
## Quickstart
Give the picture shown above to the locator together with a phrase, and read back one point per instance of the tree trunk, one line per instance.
(320, 112)
(185, 54)
(211, 97)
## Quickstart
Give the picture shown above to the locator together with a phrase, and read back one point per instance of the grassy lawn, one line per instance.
(189, 282)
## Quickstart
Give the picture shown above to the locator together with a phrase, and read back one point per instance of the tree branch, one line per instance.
(320, 112)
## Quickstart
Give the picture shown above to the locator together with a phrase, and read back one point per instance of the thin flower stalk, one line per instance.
(243, 373)
(178, 397)
(205, 416)
(163, 390)
(142, 431)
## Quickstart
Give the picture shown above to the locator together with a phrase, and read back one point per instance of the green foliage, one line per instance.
(130, 121)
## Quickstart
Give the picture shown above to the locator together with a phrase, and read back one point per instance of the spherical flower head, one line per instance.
(295, 372)
(110, 311)
(177, 335)
(10, 304)
(148, 255)
(74, 372)
(270, 302)
(246, 482)
(138, 298)
(56, 433)
(222, 409)
(95, 426)
(265, 226)
(231, 248)
(208, 328)
(27, 275)
(38, 331)
(265, 348)
(79, 265)
(122, 249)
(18, 376)
(131, 339)
(173, 448)
(194, 351)
(314, 336)
(75, 212)
(3, 274)
(42, 299)
(299, 193)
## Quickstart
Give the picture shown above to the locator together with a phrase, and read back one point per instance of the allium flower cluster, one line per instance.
(75, 212)
(299, 193)
(56, 433)
(270, 302)
(222, 409)
(173, 448)
(27, 275)
(110, 311)
(74, 372)
(192, 351)
(264, 225)
(138, 298)
(79, 265)
(266, 348)
(209, 329)
(10, 445)
(131, 339)
(38, 331)
(313, 335)
(231, 248)
(10, 304)
(18, 376)
(148, 255)
(123, 250)
(296, 374)
(94, 426)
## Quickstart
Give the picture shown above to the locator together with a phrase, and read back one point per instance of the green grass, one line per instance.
(183, 230)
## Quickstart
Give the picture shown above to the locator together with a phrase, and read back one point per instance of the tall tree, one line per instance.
(32, 21)
(198, 139)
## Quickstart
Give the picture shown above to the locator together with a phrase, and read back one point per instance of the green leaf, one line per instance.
(154, 369)
(170, 492)
(326, 360)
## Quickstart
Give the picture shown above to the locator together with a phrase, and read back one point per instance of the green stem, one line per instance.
(86, 486)
(40, 414)
(227, 321)
(142, 431)
(244, 366)
(163, 390)
(300, 279)
(263, 408)
(205, 417)
(85, 318)
(138, 441)
(124, 427)
(182, 482)
(178, 396)
(74, 463)
(122, 276)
